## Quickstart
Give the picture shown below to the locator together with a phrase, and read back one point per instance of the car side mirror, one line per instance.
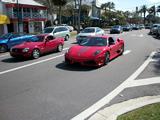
(118, 40)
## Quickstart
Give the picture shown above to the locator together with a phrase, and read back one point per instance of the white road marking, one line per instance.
(4, 55)
(95, 107)
(147, 81)
(24, 66)
(141, 35)
(126, 52)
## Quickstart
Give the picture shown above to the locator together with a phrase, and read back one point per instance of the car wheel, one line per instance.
(59, 48)
(3, 48)
(36, 53)
(107, 58)
(66, 38)
(122, 50)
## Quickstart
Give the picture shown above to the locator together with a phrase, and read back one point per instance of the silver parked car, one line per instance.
(58, 31)
(154, 29)
(89, 31)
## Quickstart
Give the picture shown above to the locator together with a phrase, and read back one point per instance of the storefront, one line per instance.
(4, 20)
(26, 17)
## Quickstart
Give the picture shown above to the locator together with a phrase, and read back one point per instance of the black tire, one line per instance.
(107, 58)
(3, 48)
(60, 48)
(66, 38)
(122, 50)
(36, 53)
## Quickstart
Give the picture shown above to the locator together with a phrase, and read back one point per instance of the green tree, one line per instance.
(144, 11)
(60, 4)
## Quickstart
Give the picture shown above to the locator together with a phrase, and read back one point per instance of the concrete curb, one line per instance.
(112, 112)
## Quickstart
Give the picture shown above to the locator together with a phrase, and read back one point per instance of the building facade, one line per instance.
(25, 16)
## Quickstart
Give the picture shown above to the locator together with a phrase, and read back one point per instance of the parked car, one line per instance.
(127, 28)
(147, 26)
(69, 27)
(158, 31)
(136, 27)
(11, 39)
(141, 26)
(89, 31)
(116, 29)
(58, 31)
(154, 28)
(95, 51)
(37, 45)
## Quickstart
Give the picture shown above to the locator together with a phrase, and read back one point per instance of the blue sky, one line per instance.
(130, 4)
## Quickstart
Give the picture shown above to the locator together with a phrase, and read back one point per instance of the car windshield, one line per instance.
(116, 26)
(88, 30)
(94, 41)
(6, 36)
(37, 39)
(48, 30)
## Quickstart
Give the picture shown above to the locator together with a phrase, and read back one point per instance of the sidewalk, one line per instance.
(142, 91)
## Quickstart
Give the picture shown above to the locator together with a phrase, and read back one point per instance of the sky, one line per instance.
(130, 4)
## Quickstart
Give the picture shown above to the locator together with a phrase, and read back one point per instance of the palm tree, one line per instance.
(104, 6)
(60, 4)
(144, 10)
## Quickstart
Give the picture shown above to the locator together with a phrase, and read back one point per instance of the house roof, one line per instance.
(25, 2)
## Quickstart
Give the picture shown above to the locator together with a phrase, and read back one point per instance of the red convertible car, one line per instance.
(95, 51)
(37, 45)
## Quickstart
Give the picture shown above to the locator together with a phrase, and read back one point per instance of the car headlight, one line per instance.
(97, 52)
(25, 50)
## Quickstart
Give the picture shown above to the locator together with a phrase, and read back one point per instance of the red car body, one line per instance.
(45, 44)
(95, 55)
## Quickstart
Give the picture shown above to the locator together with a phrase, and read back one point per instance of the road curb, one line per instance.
(112, 112)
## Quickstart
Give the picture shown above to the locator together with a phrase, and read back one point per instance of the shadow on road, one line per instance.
(15, 60)
(74, 67)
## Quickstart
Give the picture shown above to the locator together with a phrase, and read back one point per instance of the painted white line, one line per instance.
(141, 35)
(7, 54)
(24, 66)
(143, 82)
(65, 48)
(95, 107)
(126, 52)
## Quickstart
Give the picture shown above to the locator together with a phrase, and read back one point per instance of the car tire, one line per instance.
(107, 58)
(36, 53)
(66, 38)
(3, 48)
(60, 48)
(122, 50)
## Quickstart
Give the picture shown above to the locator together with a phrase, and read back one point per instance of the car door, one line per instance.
(50, 43)
(57, 32)
(99, 31)
(113, 47)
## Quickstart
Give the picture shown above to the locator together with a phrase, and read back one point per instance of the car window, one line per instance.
(88, 30)
(57, 30)
(64, 29)
(50, 38)
(94, 41)
(111, 40)
(98, 30)
(48, 30)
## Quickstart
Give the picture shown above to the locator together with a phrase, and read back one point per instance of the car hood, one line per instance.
(115, 29)
(84, 51)
(28, 45)
(86, 34)
(3, 40)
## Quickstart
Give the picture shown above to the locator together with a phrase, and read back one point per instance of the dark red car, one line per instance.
(37, 45)
(95, 51)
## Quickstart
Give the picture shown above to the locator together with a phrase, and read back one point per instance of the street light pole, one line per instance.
(18, 16)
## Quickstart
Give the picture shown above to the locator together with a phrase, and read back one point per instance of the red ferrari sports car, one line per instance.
(37, 45)
(95, 51)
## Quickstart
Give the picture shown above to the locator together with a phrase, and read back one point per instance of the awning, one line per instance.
(4, 19)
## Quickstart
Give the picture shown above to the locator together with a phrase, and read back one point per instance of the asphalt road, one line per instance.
(47, 89)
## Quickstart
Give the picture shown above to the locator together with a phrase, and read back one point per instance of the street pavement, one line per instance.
(48, 89)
